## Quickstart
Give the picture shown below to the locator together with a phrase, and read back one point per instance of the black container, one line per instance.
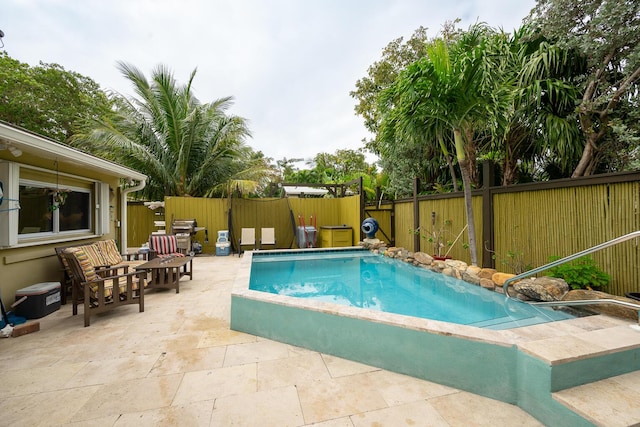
(41, 299)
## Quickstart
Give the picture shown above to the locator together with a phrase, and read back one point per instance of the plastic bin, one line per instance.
(42, 299)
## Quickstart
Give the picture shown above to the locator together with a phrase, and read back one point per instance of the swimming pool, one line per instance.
(360, 278)
(506, 365)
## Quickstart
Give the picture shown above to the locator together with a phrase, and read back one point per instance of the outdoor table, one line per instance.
(166, 272)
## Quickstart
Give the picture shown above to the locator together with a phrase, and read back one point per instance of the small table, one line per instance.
(166, 272)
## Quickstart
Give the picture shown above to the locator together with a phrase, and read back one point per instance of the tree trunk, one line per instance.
(464, 163)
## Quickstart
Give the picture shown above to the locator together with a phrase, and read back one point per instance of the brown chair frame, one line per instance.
(107, 277)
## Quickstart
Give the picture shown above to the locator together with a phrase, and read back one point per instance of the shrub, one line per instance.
(582, 273)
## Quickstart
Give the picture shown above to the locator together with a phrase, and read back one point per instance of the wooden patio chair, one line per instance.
(267, 237)
(247, 238)
(104, 289)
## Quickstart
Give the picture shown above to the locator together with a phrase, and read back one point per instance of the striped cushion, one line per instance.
(110, 251)
(163, 245)
(86, 267)
(95, 255)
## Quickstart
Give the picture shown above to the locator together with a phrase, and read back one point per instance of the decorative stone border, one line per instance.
(542, 288)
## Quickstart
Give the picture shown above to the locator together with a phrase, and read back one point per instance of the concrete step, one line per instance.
(613, 401)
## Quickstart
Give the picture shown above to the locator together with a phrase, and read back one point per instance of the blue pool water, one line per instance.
(360, 278)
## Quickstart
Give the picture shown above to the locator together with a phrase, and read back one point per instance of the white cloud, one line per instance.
(289, 64)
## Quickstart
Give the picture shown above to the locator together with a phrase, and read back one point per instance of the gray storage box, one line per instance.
(41, 299)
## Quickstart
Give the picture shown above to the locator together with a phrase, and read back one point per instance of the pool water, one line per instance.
(360, 278)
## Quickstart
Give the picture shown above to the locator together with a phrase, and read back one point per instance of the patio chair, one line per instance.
(164, 246)
(247, 238)
(267, 237)
(104, 289)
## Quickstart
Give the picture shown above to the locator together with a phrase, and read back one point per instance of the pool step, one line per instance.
(613, 401)
(507, 322)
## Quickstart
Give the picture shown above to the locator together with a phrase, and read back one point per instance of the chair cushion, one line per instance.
(110, 251)
(95, 255)
(164, 245)
(86, 266)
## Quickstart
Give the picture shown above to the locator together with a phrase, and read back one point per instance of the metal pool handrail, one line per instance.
(588, 251)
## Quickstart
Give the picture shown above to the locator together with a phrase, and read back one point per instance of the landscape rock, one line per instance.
(423, 258)
(487, 273)
(542, 288)
(487, 284)
(609, 309)
(500, 278)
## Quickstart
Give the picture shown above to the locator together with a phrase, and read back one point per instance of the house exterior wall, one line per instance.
(28, 263)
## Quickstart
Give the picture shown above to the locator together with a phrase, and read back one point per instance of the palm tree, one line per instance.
(446, 92)
(186, 148)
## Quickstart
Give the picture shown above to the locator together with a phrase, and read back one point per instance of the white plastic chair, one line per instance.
(268, 237)
(247, 238)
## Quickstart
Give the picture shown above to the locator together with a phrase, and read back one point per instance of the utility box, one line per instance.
(41, 299)
(335, 236)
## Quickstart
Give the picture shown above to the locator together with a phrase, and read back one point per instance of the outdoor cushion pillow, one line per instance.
(95, 255)
(110, 251)
(86, 267)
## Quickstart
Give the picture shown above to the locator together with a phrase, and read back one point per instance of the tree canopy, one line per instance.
(47, 99)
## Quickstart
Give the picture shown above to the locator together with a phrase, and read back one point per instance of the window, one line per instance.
(45, 210)
(41, 205)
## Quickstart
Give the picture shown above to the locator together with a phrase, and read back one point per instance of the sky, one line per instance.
(288, 64)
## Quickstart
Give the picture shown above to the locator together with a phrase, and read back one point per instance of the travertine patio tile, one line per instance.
(466, 409)
(277, 407)
(339, 367)
(37, 380)
(338, 397)
(398, 389)
(188, 360)
(606, 402)
(223, 337)
(44, 408)
(197, 414)
(240, 354)
(414, 414)
(215, 383)
(291, 371)
(130, 396)
(613, 338)
(104, 371)
(337, 422)
(561, 349)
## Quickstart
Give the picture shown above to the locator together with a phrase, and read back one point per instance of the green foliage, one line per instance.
(186, 148)
(47, 99)
(582, 273)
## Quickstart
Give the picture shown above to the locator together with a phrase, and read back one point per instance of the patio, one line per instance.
(178, 363)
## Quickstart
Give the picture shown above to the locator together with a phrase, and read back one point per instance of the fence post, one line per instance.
(488, 180)
(416, 214)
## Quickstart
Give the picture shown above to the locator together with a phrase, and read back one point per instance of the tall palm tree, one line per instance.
(185, 147)
(446, 92)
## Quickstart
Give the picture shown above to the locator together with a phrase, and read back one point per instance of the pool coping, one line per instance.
(562, 354)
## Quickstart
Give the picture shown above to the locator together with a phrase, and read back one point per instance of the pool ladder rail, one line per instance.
(566, 259)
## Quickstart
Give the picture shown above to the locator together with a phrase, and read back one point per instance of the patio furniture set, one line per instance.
(101, 279)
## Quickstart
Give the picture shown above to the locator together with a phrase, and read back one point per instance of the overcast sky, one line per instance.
(288, 64)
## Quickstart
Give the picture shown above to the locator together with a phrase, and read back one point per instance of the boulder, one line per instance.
(423, 258)
(487, 284)
(487, 273)
(542, 288)
(500, 278)
(472, 278)
(609, 309)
